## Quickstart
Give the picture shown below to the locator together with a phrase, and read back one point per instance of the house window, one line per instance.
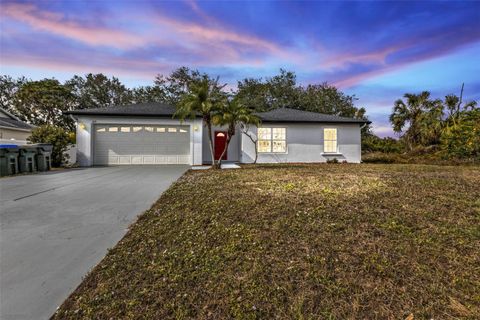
(149, 129)
(172, 129)
(160, 129)
(272, 140)
(124, 129)
(101, 129)
(330, 140)
(137, 129)
(113, 129)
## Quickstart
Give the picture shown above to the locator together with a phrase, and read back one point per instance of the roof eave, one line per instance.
(314, 121)
(120, 114)
(17, 129)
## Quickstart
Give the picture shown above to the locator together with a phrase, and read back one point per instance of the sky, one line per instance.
(377, 51)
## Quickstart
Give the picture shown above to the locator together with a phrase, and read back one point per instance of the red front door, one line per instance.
(219, 144)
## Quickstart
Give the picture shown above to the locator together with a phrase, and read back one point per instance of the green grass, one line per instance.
(297, 242)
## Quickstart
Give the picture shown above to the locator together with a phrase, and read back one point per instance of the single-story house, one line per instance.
(12, 129)
(148, 134)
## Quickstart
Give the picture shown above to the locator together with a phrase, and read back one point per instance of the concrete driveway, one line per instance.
(56, 226)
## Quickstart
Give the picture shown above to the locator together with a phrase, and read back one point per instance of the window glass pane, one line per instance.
(113, 129)
(330, 134)
(101, 129)
(172, 129)
(264, 146)
(183, 130)
(137, 129)
(279, 133)
(330, 146)
(149, 129)
(125, 129)
(159, 129)
(279, 146)
(264, 133)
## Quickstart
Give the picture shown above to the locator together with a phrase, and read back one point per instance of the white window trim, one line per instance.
(336, 152)
(271, 141)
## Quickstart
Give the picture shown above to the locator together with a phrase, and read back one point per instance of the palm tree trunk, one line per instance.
(230, 134)
(210, 139)
(224, 151)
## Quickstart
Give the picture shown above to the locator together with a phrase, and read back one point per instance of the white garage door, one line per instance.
(141, 144)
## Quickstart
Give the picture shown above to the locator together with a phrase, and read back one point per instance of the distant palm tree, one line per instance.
(205, 97)
(408, 116)
(232, 115)
(453, 104)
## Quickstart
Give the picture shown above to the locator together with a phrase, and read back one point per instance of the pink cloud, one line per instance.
(342, 61)
(410, 51)
(202, 44)
(58, 24)
(96, 64)
(217, 40)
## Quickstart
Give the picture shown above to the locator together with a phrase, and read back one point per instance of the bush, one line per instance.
(372, 143)
(462, 141)
(334, 160)
(58, 137)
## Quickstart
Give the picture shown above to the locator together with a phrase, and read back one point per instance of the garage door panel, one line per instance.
(141, 144)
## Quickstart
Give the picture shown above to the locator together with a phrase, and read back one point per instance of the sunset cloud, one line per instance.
(58, 24)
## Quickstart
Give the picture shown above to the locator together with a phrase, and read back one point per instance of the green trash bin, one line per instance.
(8, 160)
(26, 159)
(44, 156)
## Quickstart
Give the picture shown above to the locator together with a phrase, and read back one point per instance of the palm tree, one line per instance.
(232, 115)
(453, 104)
(408, 114)
(204, 97)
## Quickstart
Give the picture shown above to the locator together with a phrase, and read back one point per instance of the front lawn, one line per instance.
(331, 241)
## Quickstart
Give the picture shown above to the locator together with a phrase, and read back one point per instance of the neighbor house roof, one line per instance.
(140, 109)
(9, 121)
(165, 110)
(294, 115)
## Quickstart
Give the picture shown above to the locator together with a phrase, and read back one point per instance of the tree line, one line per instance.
(44, 101)
(448, 127)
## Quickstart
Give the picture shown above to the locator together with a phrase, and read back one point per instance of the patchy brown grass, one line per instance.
(297, 242)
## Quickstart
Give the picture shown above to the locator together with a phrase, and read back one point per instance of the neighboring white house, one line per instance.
(12, 129)
(148, 134)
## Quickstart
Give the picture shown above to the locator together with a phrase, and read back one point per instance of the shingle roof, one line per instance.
(12, 122)
(294, 115)
(141, 109)
(164, 110)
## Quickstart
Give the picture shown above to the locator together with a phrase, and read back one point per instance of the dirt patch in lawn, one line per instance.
(297, 242)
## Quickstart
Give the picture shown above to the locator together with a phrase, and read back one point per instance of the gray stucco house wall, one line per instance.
(305, 144)
(149, 134)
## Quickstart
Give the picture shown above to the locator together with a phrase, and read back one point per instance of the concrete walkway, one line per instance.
(56, 226)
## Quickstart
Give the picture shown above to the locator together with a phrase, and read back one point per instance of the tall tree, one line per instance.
(325, 98)
(174, 86)
(146, 94)
(43, 103)
(279, 91)
(8, 90)
(97, 91)
(204, 97)
(407, 116)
